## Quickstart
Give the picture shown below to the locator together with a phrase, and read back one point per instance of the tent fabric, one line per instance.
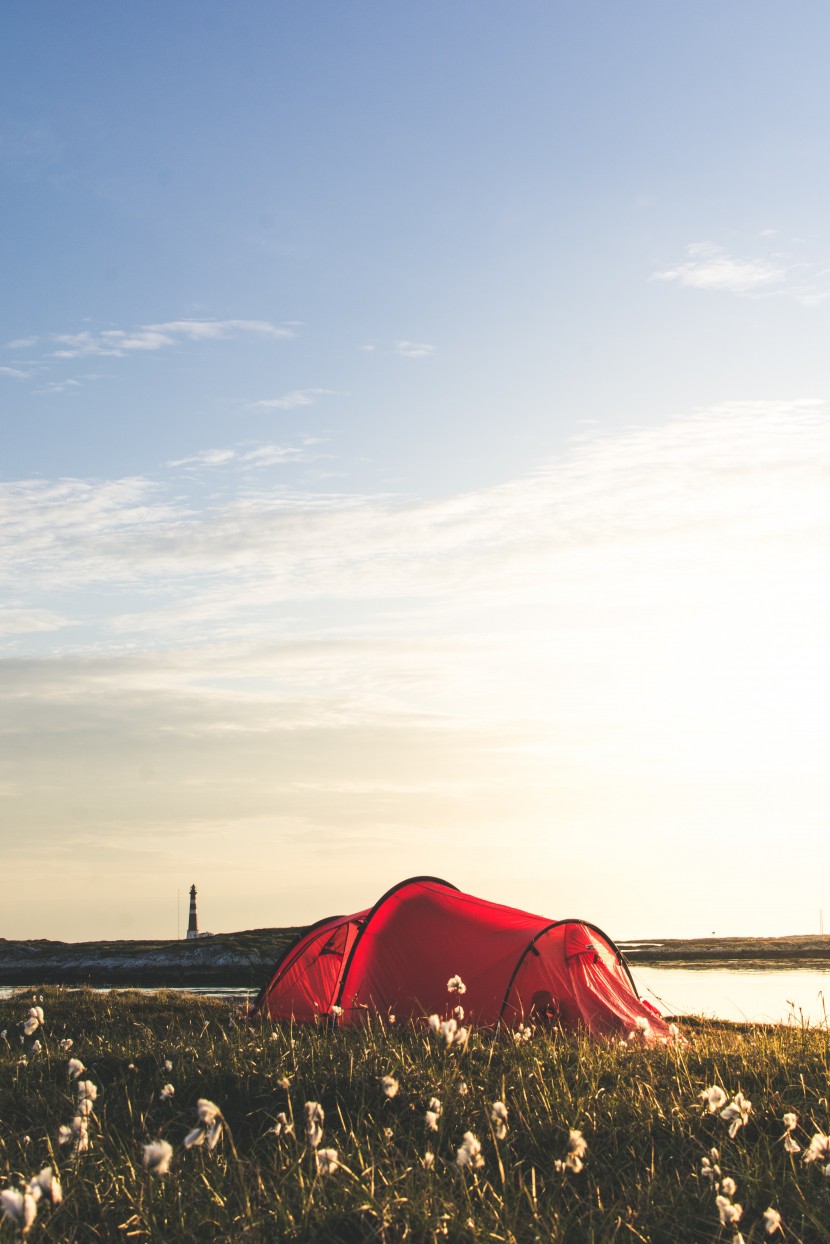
(397, 958)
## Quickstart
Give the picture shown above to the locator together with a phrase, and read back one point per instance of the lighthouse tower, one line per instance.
(192, 923)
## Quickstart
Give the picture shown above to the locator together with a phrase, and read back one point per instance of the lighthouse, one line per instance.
(192, 923)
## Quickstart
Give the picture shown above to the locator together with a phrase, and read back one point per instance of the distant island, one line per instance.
(241, 960)
(244, 960)
(798, 950)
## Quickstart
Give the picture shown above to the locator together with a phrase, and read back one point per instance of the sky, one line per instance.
(415, 459)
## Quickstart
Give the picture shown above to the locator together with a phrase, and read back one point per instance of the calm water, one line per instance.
(767, 995)
(228, 992)
(759, 995)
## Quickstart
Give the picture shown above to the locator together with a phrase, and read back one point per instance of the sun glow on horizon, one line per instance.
(619, 658)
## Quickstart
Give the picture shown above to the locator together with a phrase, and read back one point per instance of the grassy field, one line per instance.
(637, 1106)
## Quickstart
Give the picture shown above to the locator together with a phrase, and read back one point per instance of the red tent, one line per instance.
(397, 958)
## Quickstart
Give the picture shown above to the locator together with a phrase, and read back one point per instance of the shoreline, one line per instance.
(795, 951)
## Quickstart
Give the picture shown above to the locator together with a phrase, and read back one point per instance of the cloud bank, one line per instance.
(624, 650)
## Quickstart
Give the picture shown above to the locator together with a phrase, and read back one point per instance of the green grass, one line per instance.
(638, 1109)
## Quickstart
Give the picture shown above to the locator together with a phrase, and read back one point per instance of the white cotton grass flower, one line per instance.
(434, 1022)
(80, 1133)
(577, 1148)
(46, 1186)
(389, 1085)
(729, 1213)
(469, 1153)
(714, 1097)
(524, 1032)
(498, 1117)
(458, 1013)
(428, 1160)
(284, 1083)
(463, 1088)
(283, 1125)
(158, 1155)
(335, 1011)
(433, 1114)
(65, 1045)
(736, 1114)
(327, 1161)
(168, 1066)
(33, 1021)
(87, 1095)
(447, 1030)
(790, 1121)
(19, 1208)
(167, 1093)
(456, 985)
(314, 1118)
(64, 1134)
(208, 1130)
(772, 1221)
(728, 1186)
(642, 1033)
(709, 1168)
(819, 1149)
(75, 1068)
(574, 1158)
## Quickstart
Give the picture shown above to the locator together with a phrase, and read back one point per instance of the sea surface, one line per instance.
(770, 995)
(757, 995)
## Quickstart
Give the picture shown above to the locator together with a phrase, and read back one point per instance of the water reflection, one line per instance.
(759, 995)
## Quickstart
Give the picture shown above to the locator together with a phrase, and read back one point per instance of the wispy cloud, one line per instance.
(257, 456)
(403, 348)
(22, 343)
(116, 342)
(59, 386)
(712, 268)
(16, 373)
(206, 457)
(19, 620)
(291, 400)
(414, 349)
(331, 544)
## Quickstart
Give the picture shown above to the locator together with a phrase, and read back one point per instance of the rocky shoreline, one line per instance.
(243, 960)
